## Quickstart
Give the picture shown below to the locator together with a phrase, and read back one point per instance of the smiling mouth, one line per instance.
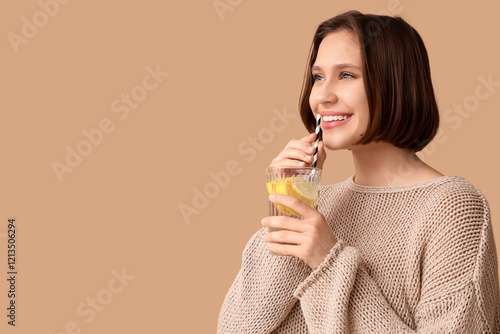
(334, 118)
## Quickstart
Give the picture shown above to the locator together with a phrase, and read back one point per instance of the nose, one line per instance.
(324, 93)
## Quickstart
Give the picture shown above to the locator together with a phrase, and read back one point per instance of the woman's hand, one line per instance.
(311, 239)
(300, 152)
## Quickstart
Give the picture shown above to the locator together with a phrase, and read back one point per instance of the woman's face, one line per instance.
(338, 92)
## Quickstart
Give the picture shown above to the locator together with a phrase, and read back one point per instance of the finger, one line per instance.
(288, 163)
(302, 145)
(284, 236)
(293, 203)
(284, 222)
(294, 154)
(284, 249)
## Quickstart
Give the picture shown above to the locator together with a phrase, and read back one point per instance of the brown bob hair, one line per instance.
(397, 78)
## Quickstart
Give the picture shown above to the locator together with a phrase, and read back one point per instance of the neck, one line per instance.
(383, 164)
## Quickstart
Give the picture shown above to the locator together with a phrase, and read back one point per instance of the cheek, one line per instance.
(353, 96)
(359, 102)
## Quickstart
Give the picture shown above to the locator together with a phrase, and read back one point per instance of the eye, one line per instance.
(346, 75)
(317, 77)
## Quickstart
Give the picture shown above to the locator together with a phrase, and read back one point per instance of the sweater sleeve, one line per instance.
(261, 295)
(459, 283)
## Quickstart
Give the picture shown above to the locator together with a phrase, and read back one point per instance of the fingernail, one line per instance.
(309, 157)
(311, 149)
(272, 196)
(263, 221)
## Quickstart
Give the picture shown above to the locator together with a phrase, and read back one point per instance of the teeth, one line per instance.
(334, 118)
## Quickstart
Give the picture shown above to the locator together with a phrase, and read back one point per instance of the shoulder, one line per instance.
(452, 204)
(443, 201)
(454, 195)
(459, 222)
(430, 190)
(458, 237)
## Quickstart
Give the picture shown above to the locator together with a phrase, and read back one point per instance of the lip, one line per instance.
(333, 124)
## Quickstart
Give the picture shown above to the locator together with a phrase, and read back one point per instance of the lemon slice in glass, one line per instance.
(297, 187)
(306, 191)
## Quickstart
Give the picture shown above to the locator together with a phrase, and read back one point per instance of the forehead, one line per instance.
(339, 47)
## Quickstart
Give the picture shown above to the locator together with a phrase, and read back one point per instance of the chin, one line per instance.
(336, 141)
(334, 146)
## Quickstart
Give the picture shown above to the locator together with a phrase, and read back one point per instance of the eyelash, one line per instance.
(342, 74)
(346, 73)
(316, 77)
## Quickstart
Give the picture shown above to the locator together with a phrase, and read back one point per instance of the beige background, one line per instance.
(119, 208)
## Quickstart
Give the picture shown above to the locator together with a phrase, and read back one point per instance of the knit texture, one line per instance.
(409, 259)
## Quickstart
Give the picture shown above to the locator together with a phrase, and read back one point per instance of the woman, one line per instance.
(396, 248)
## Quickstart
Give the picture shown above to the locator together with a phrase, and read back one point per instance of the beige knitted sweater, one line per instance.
(409, 259)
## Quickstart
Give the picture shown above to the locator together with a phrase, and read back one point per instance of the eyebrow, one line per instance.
(338, 67)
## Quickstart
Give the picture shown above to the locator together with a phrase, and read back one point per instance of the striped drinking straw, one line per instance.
(316, 142)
